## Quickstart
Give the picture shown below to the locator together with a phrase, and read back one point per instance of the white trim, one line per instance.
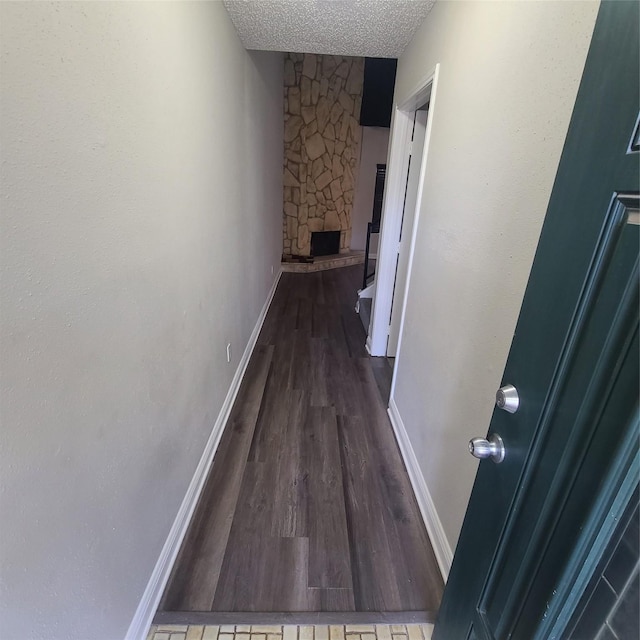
(439, 542)
(410, 219)
(421, 92)
(397, 164)
(414, 234)
(367, 292)
(153, 592)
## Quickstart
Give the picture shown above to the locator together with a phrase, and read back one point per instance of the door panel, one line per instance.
(589, 408)
(569, 360)
(406, 229)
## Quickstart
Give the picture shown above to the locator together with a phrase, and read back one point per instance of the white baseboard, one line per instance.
(441, 547)
(151, 597)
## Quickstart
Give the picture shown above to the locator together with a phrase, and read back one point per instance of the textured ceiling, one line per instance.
(375, 28)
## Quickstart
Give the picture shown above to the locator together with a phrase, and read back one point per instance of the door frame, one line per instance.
(408, 224)
(392, 207)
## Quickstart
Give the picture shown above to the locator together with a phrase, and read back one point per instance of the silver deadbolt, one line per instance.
(492, 448)
(507, 398)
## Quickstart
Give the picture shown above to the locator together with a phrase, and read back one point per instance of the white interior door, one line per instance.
(406, 227)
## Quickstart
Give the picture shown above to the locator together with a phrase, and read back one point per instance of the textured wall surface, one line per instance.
(322, 102)
(374, 149)
(141, 208)
(508, 80)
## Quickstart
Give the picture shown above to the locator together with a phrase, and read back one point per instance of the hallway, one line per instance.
(308, 506)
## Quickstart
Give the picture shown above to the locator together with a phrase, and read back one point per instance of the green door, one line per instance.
(574, 362)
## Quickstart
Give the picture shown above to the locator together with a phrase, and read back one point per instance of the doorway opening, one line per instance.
(408, 148)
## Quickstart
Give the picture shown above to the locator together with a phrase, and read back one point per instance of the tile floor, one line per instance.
(291, 632)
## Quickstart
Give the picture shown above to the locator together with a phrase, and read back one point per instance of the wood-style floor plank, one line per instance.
(308, 506)
(374, 560)
(251, 551)
(337, 600)
(383, 373)
(261, 572)
(329, 558)
(291, 497)
(398, 507)
(195, 575)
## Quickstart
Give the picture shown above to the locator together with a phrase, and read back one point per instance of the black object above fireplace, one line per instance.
(325, 243)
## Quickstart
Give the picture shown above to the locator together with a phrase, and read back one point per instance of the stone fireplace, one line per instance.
(323, 95)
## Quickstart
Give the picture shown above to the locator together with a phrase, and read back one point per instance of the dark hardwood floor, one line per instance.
(308, 506)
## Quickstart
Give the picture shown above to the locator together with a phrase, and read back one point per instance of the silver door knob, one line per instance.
(507, 398)
(492, 448)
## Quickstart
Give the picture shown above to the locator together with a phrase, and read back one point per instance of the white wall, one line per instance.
(508, 80)
(141, 217)
(375, 142)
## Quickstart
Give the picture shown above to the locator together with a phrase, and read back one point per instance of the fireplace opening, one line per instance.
(325, 243)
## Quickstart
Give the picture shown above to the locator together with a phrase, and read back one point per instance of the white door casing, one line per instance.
(406, 229)
(397, 165)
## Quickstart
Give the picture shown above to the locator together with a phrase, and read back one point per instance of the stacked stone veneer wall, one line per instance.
(322, 135)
